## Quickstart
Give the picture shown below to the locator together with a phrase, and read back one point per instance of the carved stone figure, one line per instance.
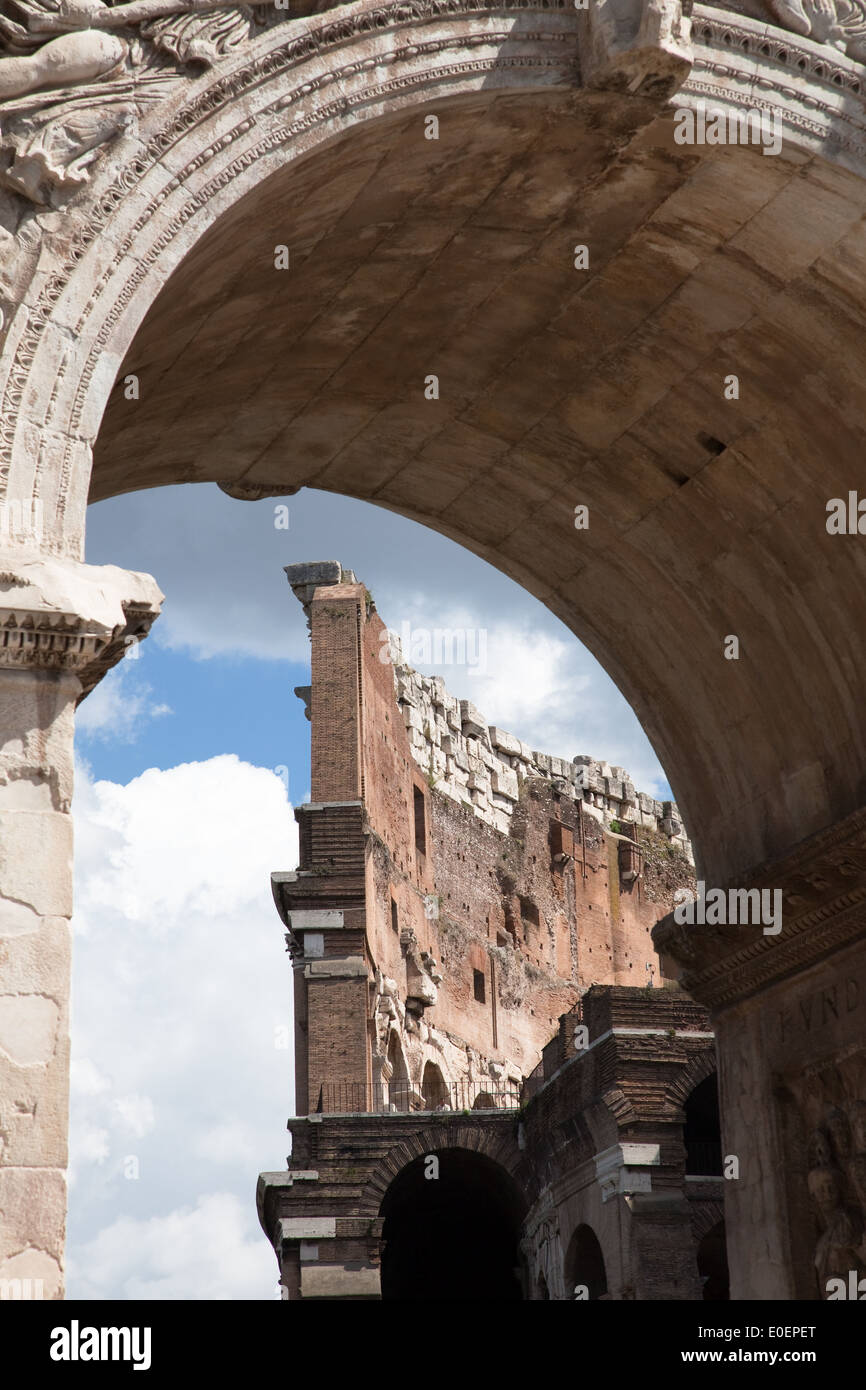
(839, 23)
(836, 1252)
(192, 31)
(69, 85)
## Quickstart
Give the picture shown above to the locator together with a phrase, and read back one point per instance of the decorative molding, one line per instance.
(727, 48)
(823, 883)
(725, 30)
(304, 40)
(809, 85)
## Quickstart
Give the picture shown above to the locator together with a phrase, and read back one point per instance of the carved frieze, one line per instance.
(76, 74)
(823, 886)
(841, 24)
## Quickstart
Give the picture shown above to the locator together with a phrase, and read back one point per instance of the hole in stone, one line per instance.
(711, 444)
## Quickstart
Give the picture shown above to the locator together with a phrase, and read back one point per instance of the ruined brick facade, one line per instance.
(463, 904)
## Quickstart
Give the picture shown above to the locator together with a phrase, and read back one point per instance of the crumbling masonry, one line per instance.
(489, 1056)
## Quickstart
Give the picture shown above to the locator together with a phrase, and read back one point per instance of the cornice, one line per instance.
(823, 885)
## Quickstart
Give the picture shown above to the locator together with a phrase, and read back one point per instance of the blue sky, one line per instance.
(191, 756)
(218, 671)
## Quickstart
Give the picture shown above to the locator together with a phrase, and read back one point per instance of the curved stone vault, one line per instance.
(561, 383)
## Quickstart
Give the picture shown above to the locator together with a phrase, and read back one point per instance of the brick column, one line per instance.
(336, 614)
(323, 904)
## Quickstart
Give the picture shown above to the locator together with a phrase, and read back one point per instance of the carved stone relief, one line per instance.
(76, 74)
(824, 1113)
(840, 24)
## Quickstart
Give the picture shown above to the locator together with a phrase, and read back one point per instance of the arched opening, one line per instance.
(702, 1133)
(508, 468)
(585, 1276)
(398, 1080)
(713, 1265)
(452, 1225)
(434, 1088)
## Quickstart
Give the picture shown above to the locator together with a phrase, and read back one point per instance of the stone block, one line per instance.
(504, 784)
(413, 718)
(472, 721)
(36, 860)
(335, 1281)
(507, 743)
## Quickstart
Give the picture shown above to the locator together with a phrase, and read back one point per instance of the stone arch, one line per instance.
(680, 1087)
(584, 1263)
(398, 1083)
(200, 154)
(489, 1139)
(706, 1215)
(451, 1229)
(434, 1087)
(704, 537)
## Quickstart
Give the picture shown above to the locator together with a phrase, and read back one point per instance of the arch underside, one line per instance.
(558, 387)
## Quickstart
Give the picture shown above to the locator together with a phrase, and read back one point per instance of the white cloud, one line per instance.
(135, 1114)
(92, 1146)
(220, 564)
(120, 704)
(180, 1096)
(85, 1079)
(536, 683)
(212, 1250)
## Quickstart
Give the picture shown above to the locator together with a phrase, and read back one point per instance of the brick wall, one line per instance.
(459, 949)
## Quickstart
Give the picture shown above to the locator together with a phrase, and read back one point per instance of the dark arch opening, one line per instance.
(702, 1133)
(713, 1265)
(452, 1237)
(584, 1264)
(434, 1088)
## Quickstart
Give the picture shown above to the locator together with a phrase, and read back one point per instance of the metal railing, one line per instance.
(404, 1097)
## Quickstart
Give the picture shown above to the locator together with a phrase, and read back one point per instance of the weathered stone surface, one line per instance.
(33, 1204)
(600, 387)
